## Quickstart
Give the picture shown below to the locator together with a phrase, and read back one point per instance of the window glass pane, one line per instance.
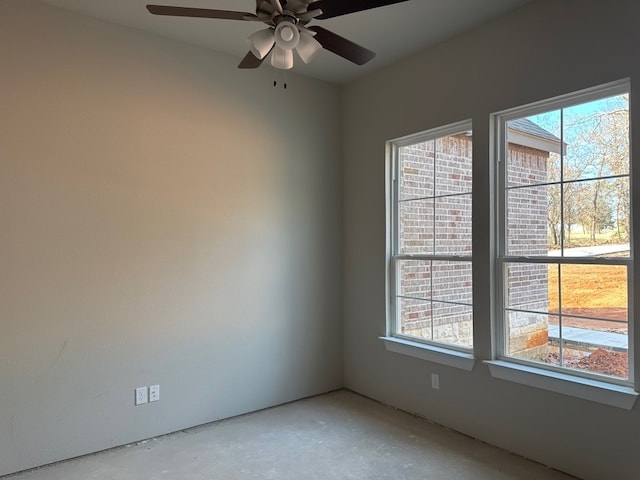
(414, 318)
(567, 196)
(533, 220)
(452, 282)
(527, 303)
(528, 335)
(597, 138)
(434, 210)
(595, 291)
(453, 225)
(621, 207)
(453, 297)
(566, 342)
(587, 315)
(533, 149)
(453, 324)
(414, 279)
(531, 287)
(596, 218)
(416, 227)
(577, 344)
(416, 170)
(453, 164)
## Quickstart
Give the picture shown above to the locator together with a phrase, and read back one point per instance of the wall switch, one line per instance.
(435, 381)
(154, 393)
(141, 395)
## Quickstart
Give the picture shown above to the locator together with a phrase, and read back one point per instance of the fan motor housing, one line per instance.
(286, 16)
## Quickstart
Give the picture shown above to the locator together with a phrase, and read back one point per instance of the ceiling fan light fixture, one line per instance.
(308, 47)
(287, 29)
(287, 35)
(261, 42)
(281, 58)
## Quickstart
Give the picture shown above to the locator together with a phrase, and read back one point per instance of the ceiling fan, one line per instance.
(287, 29)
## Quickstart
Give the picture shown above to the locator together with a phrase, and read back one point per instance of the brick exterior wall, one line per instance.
(435, 219)
(527, 288)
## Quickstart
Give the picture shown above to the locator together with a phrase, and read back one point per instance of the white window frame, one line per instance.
(443, 353)
(587, 385)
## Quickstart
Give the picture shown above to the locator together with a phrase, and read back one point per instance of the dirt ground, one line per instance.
(610, 313)
(589, 286)
(600, 361)
(589, 291)
(606, 362)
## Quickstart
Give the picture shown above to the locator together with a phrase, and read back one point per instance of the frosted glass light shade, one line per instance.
(261, 42)
(308, 47)
(287, 35)
(281, 58)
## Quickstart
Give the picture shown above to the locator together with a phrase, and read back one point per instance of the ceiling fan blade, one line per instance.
(335, 8)
(342, 47)
(251, 61)
(298, 6)
(200, 13)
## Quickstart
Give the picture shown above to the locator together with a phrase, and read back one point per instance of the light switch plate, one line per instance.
(154, 393)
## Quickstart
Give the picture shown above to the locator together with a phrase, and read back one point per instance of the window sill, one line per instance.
(584, 388)
(431, 353)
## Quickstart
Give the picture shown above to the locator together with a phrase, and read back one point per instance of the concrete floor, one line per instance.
(340, 435)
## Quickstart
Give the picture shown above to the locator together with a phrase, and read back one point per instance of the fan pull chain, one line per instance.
(275, 78)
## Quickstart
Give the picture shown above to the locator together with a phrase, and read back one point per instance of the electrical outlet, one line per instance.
(141, 395)
(154, 393)
(435, 381)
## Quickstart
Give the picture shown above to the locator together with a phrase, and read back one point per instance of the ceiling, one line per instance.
(393, 32)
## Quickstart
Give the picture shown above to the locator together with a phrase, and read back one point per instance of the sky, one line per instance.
(550, 121)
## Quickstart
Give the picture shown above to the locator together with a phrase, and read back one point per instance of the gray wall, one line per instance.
(164, 218)
(542, 50)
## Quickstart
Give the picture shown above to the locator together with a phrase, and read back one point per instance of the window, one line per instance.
(430, 256)
(564, 236)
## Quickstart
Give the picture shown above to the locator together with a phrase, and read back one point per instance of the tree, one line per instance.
(588, 182)
(554, 203)
(602, 147)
